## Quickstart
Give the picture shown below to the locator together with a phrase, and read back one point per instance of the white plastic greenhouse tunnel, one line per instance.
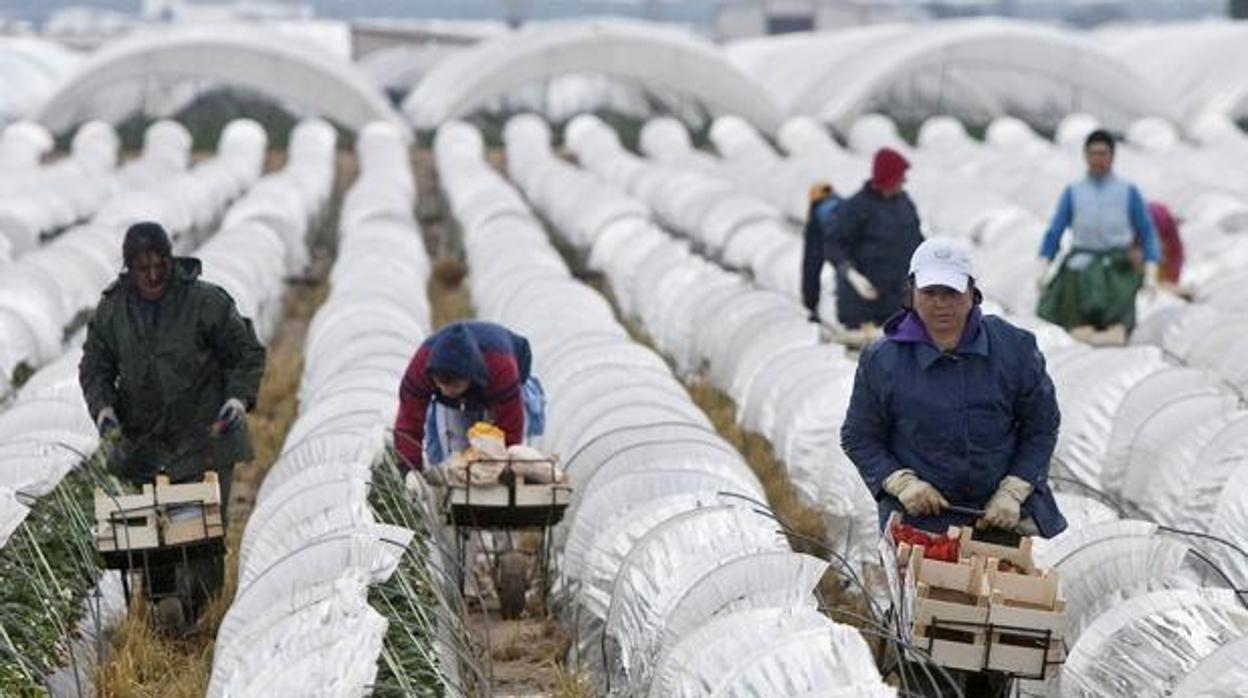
(314, 528)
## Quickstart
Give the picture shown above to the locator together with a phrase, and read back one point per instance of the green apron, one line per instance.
(1093, 287)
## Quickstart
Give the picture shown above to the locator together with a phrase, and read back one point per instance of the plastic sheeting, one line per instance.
(975, 69)
(245, 56)
(765, 651)
(628, 51)
(1230, 521)
(1146, 645)
(1090, 388)
(1218, 675)
(1108, 558)
(300, 620)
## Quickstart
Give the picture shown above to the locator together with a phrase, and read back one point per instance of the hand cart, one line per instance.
(510, 505)
(168, 537)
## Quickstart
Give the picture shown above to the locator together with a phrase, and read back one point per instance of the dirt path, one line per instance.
(526, 655)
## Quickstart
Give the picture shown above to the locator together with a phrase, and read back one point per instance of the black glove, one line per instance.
(108, 425)
(813, 316)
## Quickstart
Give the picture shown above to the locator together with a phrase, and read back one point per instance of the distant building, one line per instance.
(736, 19)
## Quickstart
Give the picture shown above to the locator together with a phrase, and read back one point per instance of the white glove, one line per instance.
(1042, 273)
(231, 414)
(413, 482)
(1151, 273)
(917, 496)
(862, 285)
(1005, 508)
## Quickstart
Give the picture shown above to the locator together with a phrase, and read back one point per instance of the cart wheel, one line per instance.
(513, 582)
(170, 616)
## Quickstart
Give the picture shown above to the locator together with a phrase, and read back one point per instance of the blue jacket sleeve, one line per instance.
(845, 226)
(1036, 410)
(1061, 221)
(867, 427)
(1142, 223)
(812, 259)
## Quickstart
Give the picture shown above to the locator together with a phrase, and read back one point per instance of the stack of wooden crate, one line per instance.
(159, 516)
(990, 610)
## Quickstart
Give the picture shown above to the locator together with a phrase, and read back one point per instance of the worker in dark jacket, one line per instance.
(874, 233)
(168, 370)
(823, 202)
(952, 407)
(169, 367)
(464, 373)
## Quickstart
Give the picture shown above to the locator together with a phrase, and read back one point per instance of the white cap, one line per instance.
(941, 262)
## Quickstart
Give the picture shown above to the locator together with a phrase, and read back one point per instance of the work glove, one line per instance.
(1151, 273)
(917, 496)
(1004, 509)
(231, 414)
(108, 425)
(421, 480)
(813, 316)
(862, 285)
(412, 481)
(1042, 273)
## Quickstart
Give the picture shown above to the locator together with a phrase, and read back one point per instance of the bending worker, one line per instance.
(1097, 282)
(464, 373)
(954, 408)
(169, 369)
(823, 202)
(873, 235)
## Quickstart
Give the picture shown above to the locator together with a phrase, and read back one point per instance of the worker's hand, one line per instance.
(1151, 273)
(813, 316)
(1005, 508)
(412, 481)
(1042, 273)
(108, 425)
(231, 414)
(862, 285)
(917, 496)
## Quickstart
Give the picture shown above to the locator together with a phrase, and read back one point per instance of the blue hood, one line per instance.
(908, 328)
(456, 352)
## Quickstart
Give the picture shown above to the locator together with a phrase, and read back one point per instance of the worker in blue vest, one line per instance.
(1096, 284)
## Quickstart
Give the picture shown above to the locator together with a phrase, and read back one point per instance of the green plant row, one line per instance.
(46, 572)
(420, 602)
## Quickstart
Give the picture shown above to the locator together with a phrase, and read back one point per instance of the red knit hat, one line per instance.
(888, 169)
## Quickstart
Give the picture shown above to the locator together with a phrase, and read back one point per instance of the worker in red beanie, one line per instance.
(873, 237)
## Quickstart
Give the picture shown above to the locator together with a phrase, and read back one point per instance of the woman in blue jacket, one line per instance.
(952, 407)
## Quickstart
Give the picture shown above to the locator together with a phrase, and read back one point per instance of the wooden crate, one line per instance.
(952, 591)
(150, 519)
(1030, 654)
(970, 615)
(1026, 600)
(1020, 556)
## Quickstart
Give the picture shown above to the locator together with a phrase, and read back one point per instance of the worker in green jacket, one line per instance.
(169, 368)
